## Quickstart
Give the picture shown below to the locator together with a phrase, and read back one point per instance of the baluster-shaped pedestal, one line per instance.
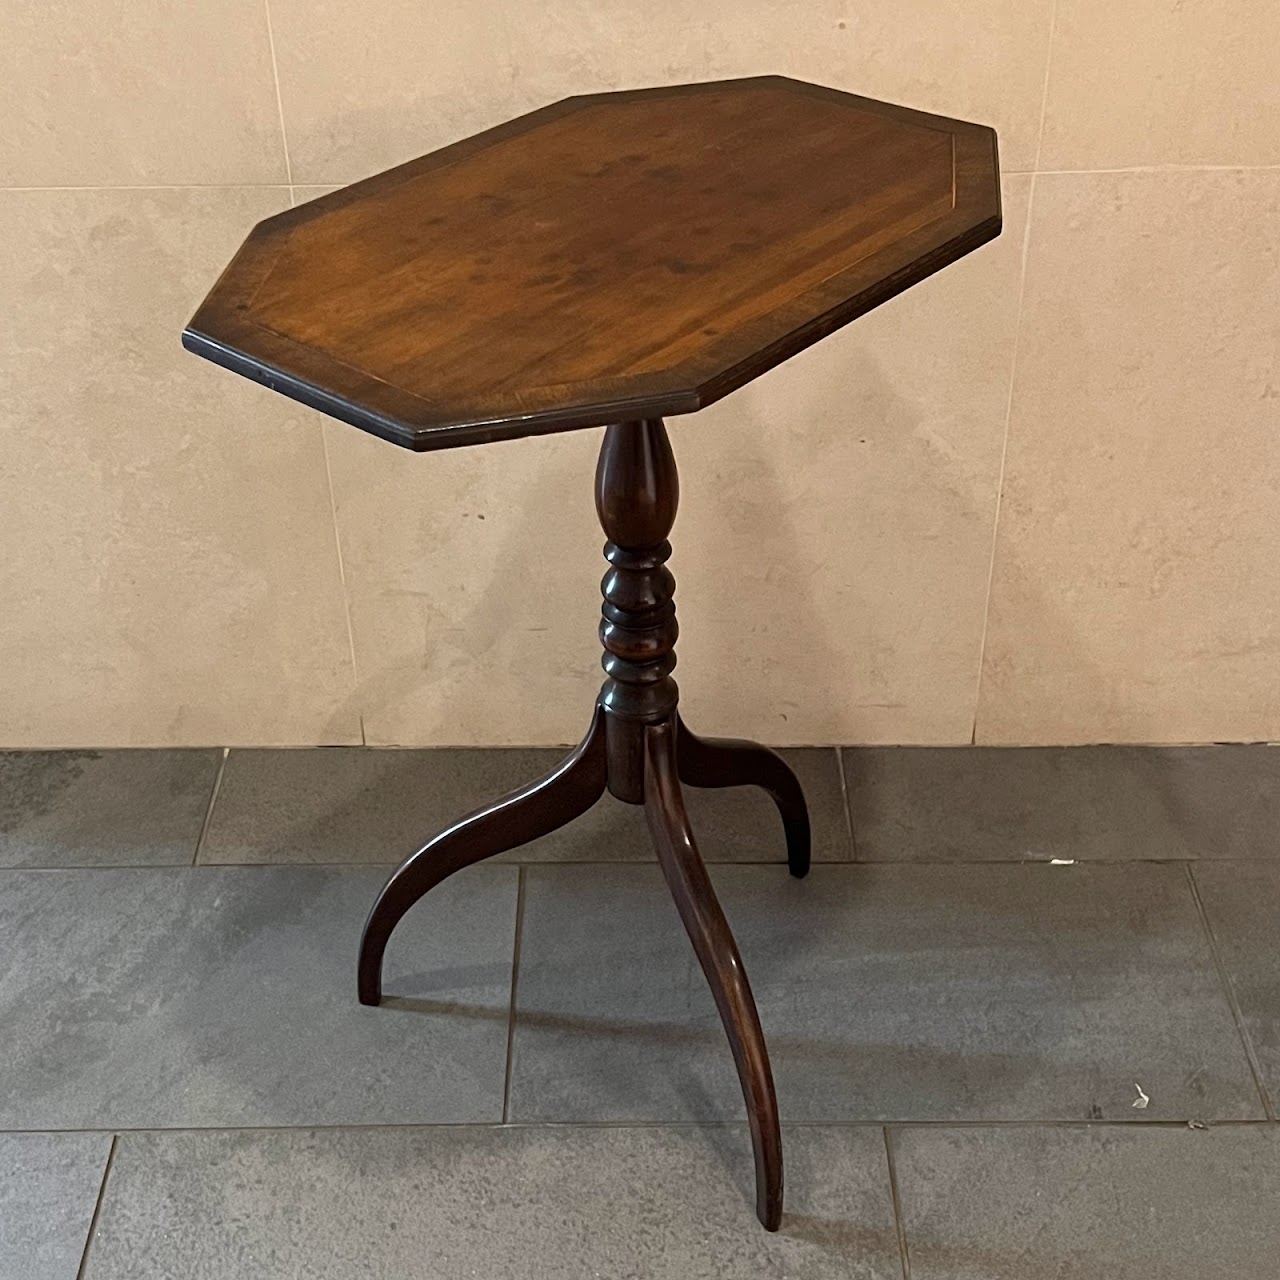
(637, 490)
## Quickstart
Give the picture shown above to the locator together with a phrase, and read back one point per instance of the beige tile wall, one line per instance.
(1036, 499)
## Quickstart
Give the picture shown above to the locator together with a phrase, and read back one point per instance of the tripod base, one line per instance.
(645, 763)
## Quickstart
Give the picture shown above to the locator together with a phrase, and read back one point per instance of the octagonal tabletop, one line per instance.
(616, 256)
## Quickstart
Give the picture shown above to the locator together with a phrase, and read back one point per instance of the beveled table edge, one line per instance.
(211, 334)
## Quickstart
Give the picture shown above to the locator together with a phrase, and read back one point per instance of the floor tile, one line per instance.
(1085, 1203)
(975, 803)
(152, 998)
(351, 804)
(907, 992)
(1242, 901)
(48, 1187)
(497, 1203)
(358, 805)
(86, 808)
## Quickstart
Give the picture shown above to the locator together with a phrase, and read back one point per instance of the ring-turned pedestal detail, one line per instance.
(637, 491)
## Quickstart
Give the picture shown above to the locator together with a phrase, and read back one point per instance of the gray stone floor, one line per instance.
(1024, 1015)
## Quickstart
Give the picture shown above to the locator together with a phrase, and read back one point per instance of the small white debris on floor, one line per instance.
(1141, 1100)
(1196, 1124)
(1062, 862)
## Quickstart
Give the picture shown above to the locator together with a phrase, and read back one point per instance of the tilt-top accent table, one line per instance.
(606, 261)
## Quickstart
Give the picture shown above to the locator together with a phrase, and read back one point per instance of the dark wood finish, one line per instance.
(640, 750)
(637, 490)
(731, 762)
(567, 792)
(613, 257)
(717, 953)
(607, 260)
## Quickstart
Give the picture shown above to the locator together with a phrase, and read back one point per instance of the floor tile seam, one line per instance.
(118, 1132)
(213, 800)
(515, 981)
(833, 864)
(895, 1195)
(559, 748)
(848, 807)
(1232, 997)
(97, 1207)
(572, 863)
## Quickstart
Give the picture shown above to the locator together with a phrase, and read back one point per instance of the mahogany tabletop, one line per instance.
(610, 257)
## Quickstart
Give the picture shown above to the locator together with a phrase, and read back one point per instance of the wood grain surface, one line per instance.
(619, 256)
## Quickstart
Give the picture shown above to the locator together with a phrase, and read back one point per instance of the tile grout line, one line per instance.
(1232, 1000)
(333, 501)
(1044, 91)
(208, 813)
(342, 567)
(160, 186)
(826, 863)
(1156, 168)
(1132, 1126)
(275, 76)
(896, 1196)
(1004, 458)
(324, 427)
(848, 808)
(511, 1012)
(1013, 374)
(268, 186)
(97, 1207)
